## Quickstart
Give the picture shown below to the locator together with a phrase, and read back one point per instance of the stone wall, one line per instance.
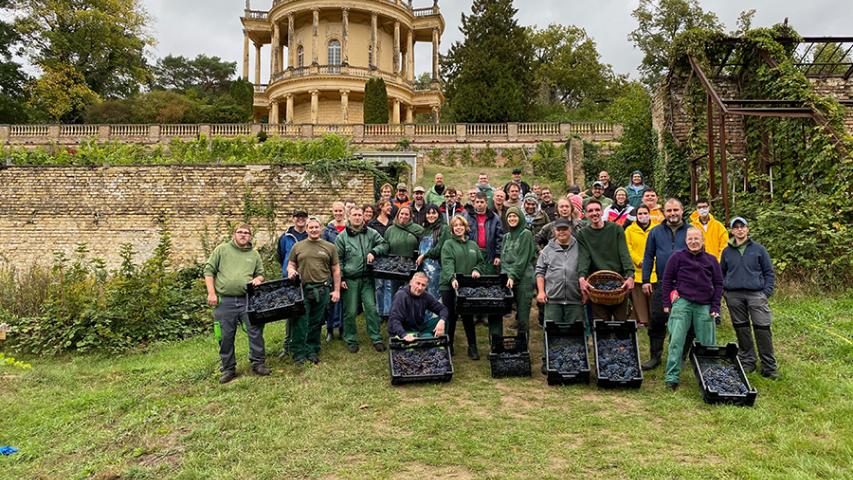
(47, 209)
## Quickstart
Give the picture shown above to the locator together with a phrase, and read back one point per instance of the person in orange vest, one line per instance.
(716, 236)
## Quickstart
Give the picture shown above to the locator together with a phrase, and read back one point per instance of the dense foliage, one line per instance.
(375, 101)
(489, 75)
(78, 305)
(12, 77)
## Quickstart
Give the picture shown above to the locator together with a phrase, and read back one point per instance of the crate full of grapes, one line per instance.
(274, 300)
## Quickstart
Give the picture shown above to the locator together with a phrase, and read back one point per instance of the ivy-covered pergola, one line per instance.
(772, 69)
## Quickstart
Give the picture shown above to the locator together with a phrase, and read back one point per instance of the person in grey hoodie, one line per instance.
(748, 281)
(557, 281)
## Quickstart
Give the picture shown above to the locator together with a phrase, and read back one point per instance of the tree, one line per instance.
(490, 74)
(658, 23)
(568, 67)
(60, 95)
(102, 40)
(375, 101)
(12, 79)
(829, 58)
(203, 73)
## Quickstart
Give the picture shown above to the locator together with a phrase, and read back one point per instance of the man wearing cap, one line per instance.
(295, 233)
(419, 205)
(402, 198)
(315, 261)
(435, 195)
(523, 187)
(597, 192)
(557, 282)
(603, 247)
(748, 281)
(716, 236)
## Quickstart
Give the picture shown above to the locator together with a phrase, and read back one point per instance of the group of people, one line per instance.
(676, 270)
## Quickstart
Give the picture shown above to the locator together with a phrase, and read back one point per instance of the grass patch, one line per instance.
(160, 413)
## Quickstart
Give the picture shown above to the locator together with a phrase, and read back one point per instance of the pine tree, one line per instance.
(375, 101)
(490, 74)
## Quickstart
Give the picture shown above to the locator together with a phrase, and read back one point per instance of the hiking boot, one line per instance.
(299, 361)
(655, 353)
(774, 375)
(473, 353)
(313, 358)
(748, 368)
(330, 335)
(379, 346)
(261, 370)
(353, 348)
(672, 386)
(227, 376)
(284, 354)
(651, 363)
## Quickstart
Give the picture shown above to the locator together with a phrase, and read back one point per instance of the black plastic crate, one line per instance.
(726, 355)
(509, 357)
(392, 274)
(556, 332)
(625, 331)
(397, 345)
(483, 306)
(281, 313)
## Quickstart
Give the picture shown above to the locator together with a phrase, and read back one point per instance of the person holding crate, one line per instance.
(603, 247)
(519, 254)
(357, 246)
(230, 267)
(315, 261)
(692, 290)
(460, 255)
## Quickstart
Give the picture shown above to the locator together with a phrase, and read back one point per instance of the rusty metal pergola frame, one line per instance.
(826, 49)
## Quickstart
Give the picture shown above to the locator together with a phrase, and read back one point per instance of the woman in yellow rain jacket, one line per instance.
(635, 236)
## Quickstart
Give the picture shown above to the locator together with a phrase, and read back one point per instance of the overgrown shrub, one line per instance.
(79, 306)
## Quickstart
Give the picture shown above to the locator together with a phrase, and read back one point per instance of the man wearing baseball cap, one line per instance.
(296, 233)
(419, 205)
(748, 281)
(402, 198)
(523, 187)
(597, 192)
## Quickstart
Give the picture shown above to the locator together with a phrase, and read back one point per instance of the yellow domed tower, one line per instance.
(322, 52)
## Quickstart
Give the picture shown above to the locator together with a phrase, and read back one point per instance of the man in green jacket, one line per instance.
(357, 246)
(603, 247)
(435, 195)
(230, 267)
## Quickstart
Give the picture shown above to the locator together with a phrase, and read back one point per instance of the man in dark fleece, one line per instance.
(408, 319)
(692, 290)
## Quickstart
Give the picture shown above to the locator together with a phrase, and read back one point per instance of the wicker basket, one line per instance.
(606, 297)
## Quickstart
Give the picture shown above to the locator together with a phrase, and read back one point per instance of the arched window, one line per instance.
(334, 55)
(300, 56)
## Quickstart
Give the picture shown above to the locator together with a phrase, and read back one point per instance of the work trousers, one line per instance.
(683, 315)
(747, 307)
(306, 329)
(229, 313)
(360, 291)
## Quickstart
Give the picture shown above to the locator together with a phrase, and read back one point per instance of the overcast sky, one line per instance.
(212, 27)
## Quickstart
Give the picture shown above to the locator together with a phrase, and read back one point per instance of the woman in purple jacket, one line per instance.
(692, 289)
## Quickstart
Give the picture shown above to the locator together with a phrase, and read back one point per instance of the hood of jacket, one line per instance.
(516, 231)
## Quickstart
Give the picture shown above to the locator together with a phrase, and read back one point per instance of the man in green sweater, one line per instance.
(357, 246)
(603, 247)
(230, 267)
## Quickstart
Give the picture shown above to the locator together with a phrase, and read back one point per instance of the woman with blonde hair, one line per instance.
(459, 255)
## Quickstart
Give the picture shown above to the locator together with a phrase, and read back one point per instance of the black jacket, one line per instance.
(408, 312)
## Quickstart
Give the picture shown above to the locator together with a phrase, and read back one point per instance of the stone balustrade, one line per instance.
(416, 134)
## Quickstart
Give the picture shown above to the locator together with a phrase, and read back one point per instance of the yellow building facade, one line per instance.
(322, 52)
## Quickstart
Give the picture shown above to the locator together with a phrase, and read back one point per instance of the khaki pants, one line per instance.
(642, 308)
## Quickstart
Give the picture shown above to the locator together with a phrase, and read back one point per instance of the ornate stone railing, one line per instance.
(342, 70)
(417, 134)
(256, 15)
(425, 11)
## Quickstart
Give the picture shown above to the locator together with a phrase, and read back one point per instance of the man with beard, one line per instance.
(435, 195)
(547, 203)
(662, 241)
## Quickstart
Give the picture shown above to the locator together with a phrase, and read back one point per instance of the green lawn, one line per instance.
(160, 413)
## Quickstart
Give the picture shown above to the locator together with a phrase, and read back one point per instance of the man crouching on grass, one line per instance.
(415, 313)
(230, 267)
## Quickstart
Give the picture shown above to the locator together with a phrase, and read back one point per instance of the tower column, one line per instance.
(397, 48)
(291, 49)
(288, 113)
(315, 31)
(257, 64)
(395, 117)
(373, 34)
(245, 55)
(410, 56)
(345, 106)
(345, 36)
(273, 112)
(315, 105)
(435, 44)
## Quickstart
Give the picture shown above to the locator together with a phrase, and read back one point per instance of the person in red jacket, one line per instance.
(692, 290)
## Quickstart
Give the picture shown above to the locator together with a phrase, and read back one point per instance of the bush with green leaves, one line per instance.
(83, 307)
(549, 162)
